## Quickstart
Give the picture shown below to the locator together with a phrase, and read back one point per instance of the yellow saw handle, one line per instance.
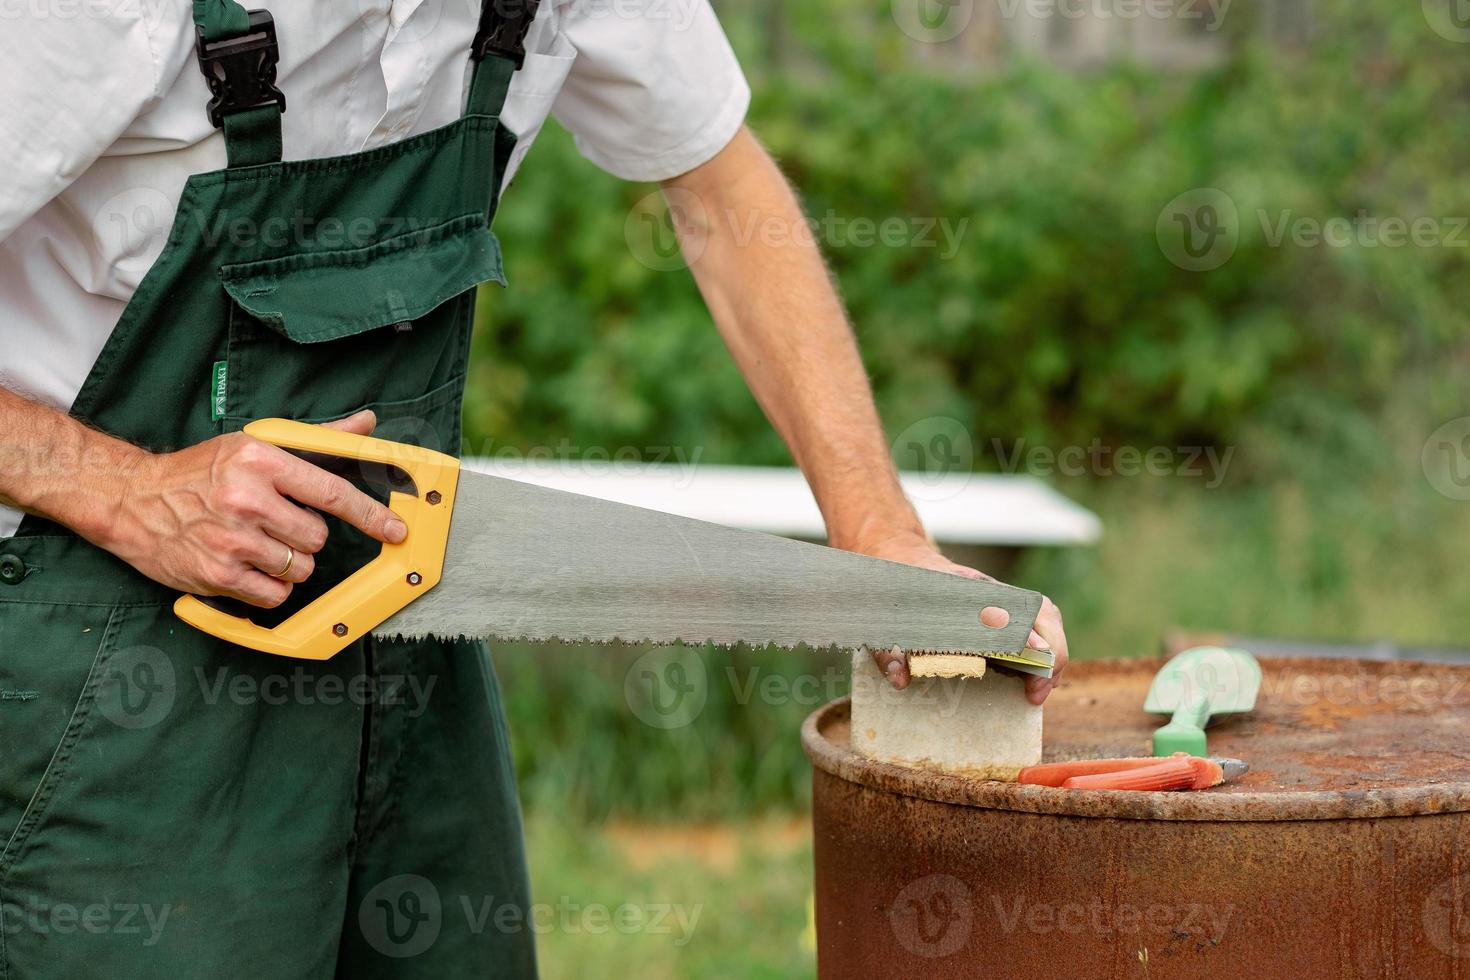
(400, 574)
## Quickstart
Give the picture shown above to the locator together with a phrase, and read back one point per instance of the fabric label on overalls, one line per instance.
(217, 390)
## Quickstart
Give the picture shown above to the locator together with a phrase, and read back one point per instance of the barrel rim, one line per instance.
(842, 761)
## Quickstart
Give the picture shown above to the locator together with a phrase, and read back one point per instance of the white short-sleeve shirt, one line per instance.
(103, 120)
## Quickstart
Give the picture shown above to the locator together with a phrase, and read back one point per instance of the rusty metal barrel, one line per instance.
(1343, 853)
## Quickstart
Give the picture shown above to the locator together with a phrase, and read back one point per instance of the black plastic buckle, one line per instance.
(241, 71)
(503, 28)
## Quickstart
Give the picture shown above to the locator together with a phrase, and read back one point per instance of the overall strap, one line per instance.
(238, 55)
(498, 52)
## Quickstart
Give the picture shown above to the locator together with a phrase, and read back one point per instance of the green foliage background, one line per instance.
(1059, 321)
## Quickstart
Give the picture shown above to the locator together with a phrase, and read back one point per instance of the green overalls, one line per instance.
(172, 806)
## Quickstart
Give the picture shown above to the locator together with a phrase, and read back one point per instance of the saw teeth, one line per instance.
(651, 642)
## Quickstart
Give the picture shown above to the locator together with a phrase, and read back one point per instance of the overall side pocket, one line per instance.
(52, 659)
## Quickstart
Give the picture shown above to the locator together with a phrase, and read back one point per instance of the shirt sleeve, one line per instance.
(655, 89)
(72, 85)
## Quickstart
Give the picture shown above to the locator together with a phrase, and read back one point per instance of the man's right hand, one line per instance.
(218, 518)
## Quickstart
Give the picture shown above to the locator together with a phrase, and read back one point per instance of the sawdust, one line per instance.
(946, 665)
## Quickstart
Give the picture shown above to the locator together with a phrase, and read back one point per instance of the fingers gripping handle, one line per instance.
(400, 574)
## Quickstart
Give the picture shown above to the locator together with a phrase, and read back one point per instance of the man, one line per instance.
(161, 284)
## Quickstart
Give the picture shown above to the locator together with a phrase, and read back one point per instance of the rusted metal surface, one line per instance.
(1344, 853)
(1328, 739)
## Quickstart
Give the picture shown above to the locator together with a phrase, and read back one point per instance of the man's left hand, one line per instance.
(914, 549)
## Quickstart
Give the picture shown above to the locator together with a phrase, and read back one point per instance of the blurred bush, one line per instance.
(1058, 318)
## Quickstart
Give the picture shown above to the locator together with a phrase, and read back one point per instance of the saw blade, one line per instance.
(528, 562)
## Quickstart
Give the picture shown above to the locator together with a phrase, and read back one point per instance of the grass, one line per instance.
(722, 901)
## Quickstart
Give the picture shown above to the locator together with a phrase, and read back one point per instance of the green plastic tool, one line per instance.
(1199, 684)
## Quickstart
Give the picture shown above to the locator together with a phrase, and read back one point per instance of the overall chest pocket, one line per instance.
(317, 335)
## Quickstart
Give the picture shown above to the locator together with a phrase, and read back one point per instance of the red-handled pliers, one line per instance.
(1178, 771)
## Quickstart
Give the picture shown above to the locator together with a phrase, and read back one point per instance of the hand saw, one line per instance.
(487, 557)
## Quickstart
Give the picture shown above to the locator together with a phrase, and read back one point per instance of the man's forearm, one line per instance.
(56, 467)
(770, 293)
